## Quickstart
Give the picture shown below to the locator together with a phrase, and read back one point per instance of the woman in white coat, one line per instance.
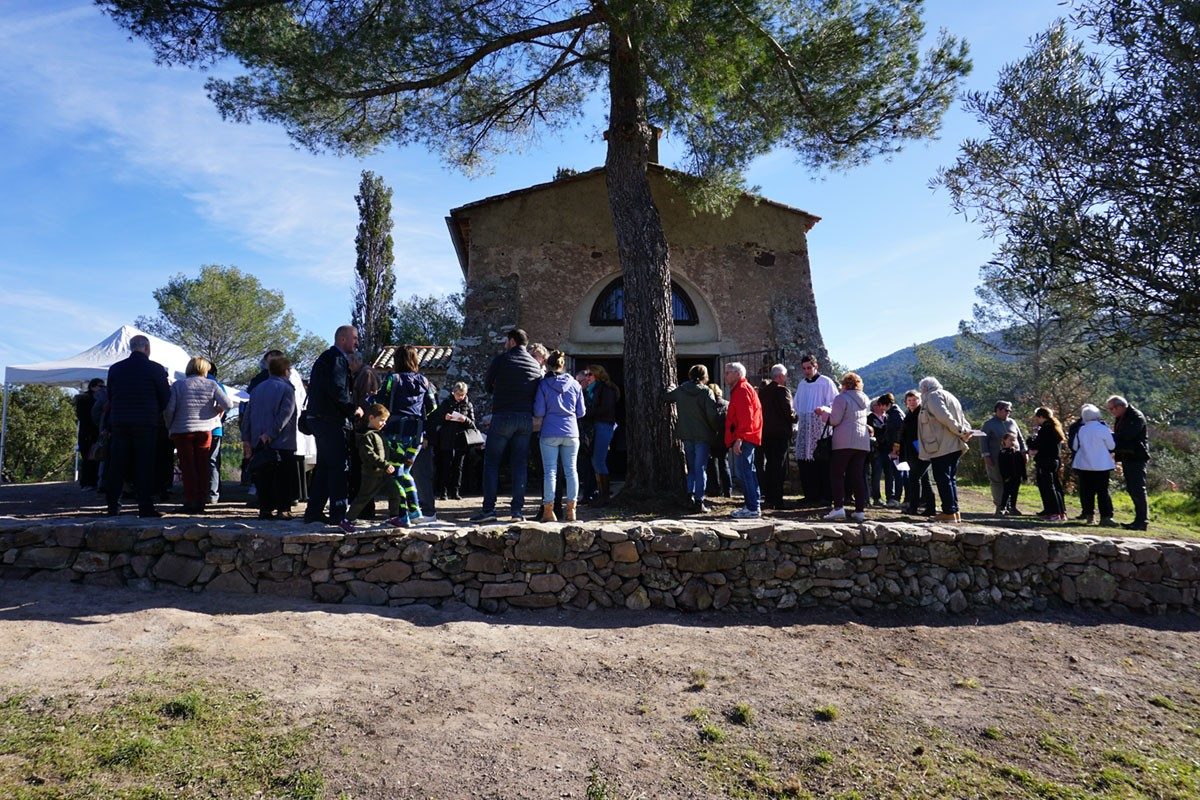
(1093, 463)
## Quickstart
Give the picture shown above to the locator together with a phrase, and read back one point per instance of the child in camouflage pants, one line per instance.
(379, 468)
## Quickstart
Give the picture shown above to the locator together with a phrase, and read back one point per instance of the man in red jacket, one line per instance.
(743, 434)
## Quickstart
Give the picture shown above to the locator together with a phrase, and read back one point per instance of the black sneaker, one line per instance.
(483, 516)
(1135, 526)
(155, 514)
(518, 516)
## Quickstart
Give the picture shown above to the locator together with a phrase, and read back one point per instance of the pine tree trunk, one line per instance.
(654, 463)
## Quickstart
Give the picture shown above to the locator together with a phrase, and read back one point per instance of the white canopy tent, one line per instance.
(91, 363)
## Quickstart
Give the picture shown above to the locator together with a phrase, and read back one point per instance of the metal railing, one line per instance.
(758, 363)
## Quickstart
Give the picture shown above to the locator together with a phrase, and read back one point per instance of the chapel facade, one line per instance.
(544, 259)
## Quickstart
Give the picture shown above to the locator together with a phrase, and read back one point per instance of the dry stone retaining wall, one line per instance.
(762, 566)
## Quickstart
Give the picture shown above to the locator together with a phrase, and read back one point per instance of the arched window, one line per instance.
(610, 306)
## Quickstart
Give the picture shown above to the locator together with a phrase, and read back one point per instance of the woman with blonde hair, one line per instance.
(194, 408)
(851, 443)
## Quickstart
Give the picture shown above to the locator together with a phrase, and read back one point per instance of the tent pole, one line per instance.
(3, 431)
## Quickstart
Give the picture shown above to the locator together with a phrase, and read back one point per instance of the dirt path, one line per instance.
(420, 703)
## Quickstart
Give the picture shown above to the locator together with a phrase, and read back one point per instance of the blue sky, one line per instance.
(118, 173)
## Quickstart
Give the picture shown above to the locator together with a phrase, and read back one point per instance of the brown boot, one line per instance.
(548, 513)
(602, 493)
(569, 511)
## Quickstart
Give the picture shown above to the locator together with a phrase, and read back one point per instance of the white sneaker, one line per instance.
(745, 513)
(837, 513)
(423, 520)
(858, 516)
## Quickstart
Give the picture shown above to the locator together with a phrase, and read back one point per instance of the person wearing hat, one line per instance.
(996, 428)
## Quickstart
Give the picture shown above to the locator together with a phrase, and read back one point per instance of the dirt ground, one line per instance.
(425, 703)
(447, 703)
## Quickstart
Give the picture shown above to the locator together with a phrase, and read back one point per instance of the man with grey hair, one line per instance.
(778, 418)
(996, 428)
(743, 435)
(1132, 451)
(137, 397)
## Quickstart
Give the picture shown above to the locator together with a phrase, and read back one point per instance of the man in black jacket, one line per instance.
(330, 410)
(1133, 452)
(137, 396)
(512, 380)
(778, 417)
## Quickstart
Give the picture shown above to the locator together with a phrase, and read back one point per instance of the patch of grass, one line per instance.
(303, 785)
(993, 733)
(822, 758)
(1039, 787)
(1163, 702)
(188, 705)
(748, 775)
(711, 733)
(598, 788)
(697, 714)
(741, 714)
(144, 741)
(129, 753)
(643, 706)
(967, 683)
(698, 680)
(826, 713)
(1057, 744)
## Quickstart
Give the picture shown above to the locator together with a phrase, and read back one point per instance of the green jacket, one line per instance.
(371, 452)
(697, 412)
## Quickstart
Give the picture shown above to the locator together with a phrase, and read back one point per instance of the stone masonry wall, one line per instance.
(761, 566)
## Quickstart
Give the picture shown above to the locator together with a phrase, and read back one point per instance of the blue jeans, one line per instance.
(509, 431)
(553, 448)
(744, 465)
(883, 466)
(214, 471)
(697, 468)
(333, 467)
(945, 472)
(604, 435)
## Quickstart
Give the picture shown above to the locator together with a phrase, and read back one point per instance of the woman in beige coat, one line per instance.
(943, 432)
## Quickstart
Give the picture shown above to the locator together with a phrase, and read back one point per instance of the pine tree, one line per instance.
(838, 83)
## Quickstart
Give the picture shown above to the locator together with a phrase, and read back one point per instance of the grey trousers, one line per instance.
(997, 483)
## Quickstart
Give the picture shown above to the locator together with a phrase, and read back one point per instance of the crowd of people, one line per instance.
(387, 434)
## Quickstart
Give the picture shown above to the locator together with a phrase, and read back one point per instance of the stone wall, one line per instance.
(760, 566)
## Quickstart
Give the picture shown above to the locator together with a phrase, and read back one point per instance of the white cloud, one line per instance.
(72, 71)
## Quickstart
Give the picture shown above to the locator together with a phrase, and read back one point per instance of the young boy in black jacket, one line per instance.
(1012, 471)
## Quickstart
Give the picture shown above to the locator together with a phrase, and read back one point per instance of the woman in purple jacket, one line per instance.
(559, 404)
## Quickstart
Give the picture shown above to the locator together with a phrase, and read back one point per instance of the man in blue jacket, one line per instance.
(512, 379)
(330, 410)
(137, 396)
